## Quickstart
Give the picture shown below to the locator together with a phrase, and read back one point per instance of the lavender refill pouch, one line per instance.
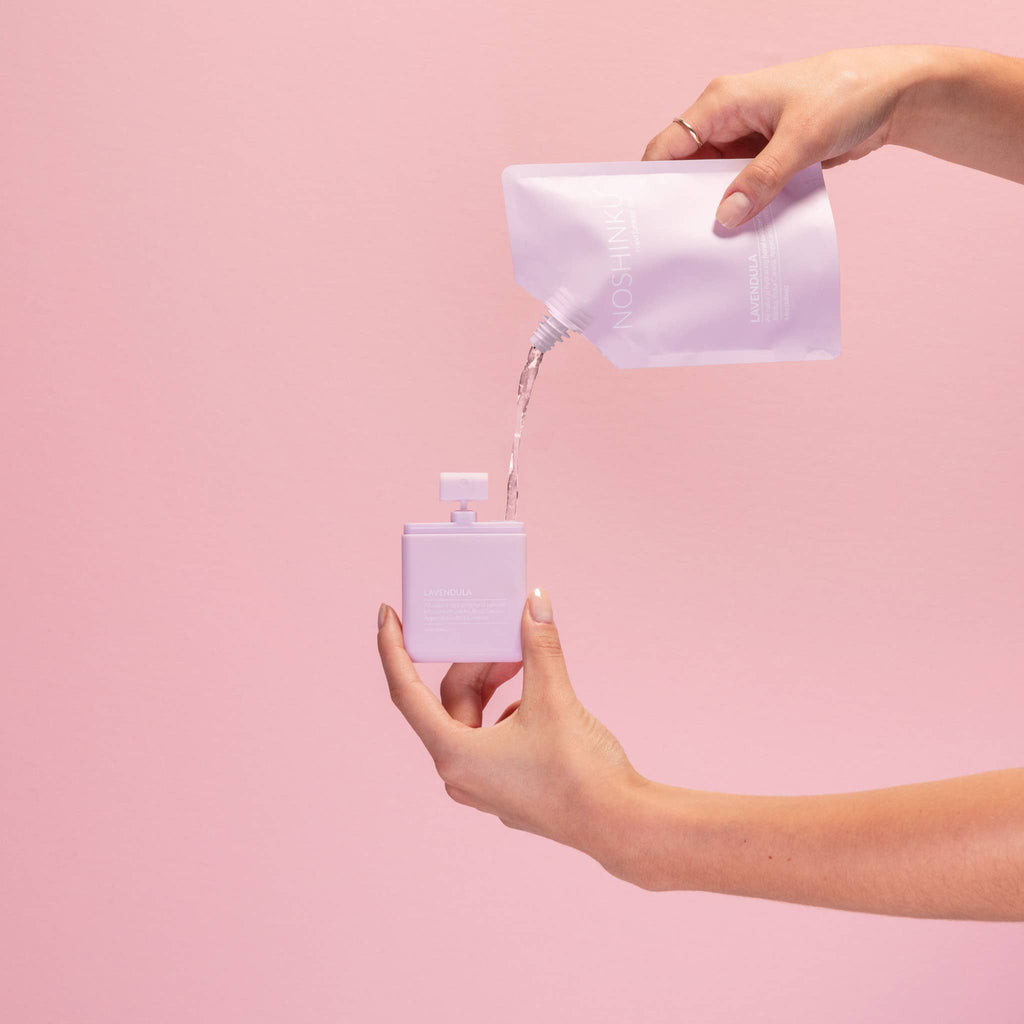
(630, 255)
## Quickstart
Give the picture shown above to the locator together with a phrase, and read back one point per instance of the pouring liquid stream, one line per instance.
(526, 382)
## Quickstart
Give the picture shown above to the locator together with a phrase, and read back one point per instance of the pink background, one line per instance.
(256, 293)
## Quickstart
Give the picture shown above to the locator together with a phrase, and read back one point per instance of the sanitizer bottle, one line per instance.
(464, 581)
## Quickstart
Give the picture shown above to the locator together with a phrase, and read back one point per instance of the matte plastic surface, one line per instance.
(463, 591)
(630, 254)
(463, 487)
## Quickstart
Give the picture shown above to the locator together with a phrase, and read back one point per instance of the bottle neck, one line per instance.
(549, 332)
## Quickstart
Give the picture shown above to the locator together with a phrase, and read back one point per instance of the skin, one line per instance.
(953, 848)
(966, 106)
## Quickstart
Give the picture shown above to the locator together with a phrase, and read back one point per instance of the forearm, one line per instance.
(962, 105)
(953, 848)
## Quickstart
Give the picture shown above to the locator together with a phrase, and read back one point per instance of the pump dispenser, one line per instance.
(464, 581)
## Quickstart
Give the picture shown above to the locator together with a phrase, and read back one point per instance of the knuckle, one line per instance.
(720, 85)
(547, 643)
(766, 172)
(847, 78)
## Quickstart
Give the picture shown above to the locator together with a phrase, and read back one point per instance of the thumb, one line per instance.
(764, 177)
(544, 672)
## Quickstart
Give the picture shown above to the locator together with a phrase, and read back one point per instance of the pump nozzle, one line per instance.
(463, 488)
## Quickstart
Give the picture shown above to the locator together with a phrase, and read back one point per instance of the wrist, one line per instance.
(927, 84)
(650, 834)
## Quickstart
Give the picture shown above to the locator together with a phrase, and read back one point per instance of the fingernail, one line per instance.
(732, 210)
(382, 614)
(540, 606)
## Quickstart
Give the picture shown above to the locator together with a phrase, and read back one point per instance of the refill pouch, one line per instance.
(630, 255)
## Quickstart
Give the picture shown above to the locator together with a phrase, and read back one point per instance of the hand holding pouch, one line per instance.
(630, 255)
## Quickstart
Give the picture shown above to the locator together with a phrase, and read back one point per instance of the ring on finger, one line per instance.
(689, 127)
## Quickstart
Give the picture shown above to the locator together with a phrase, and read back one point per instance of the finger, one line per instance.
(545, 676)
(836, 161)
(869, 145)
(720, 115)
(787, 152)
(672, 143)
(743, 148)
(466, 688)
(421, 708)
(510, 710)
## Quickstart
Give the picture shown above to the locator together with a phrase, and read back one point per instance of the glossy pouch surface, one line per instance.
(630, 255)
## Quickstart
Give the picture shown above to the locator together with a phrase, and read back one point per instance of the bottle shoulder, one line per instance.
(497, 527)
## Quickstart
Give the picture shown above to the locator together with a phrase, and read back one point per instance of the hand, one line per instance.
(953, 848)
(832, 108)
(546, 766)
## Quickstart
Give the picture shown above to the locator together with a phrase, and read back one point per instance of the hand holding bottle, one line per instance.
(953, 848)
(546, 766)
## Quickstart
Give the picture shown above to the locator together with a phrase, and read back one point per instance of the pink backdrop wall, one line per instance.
(256, 293)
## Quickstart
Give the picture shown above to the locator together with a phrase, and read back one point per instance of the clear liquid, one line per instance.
(526, 381)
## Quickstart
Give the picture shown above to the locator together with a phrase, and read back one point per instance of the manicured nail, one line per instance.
(540, 606)
(382, 614)
(732, 210)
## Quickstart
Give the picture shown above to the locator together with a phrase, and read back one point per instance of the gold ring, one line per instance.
(690, 129)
